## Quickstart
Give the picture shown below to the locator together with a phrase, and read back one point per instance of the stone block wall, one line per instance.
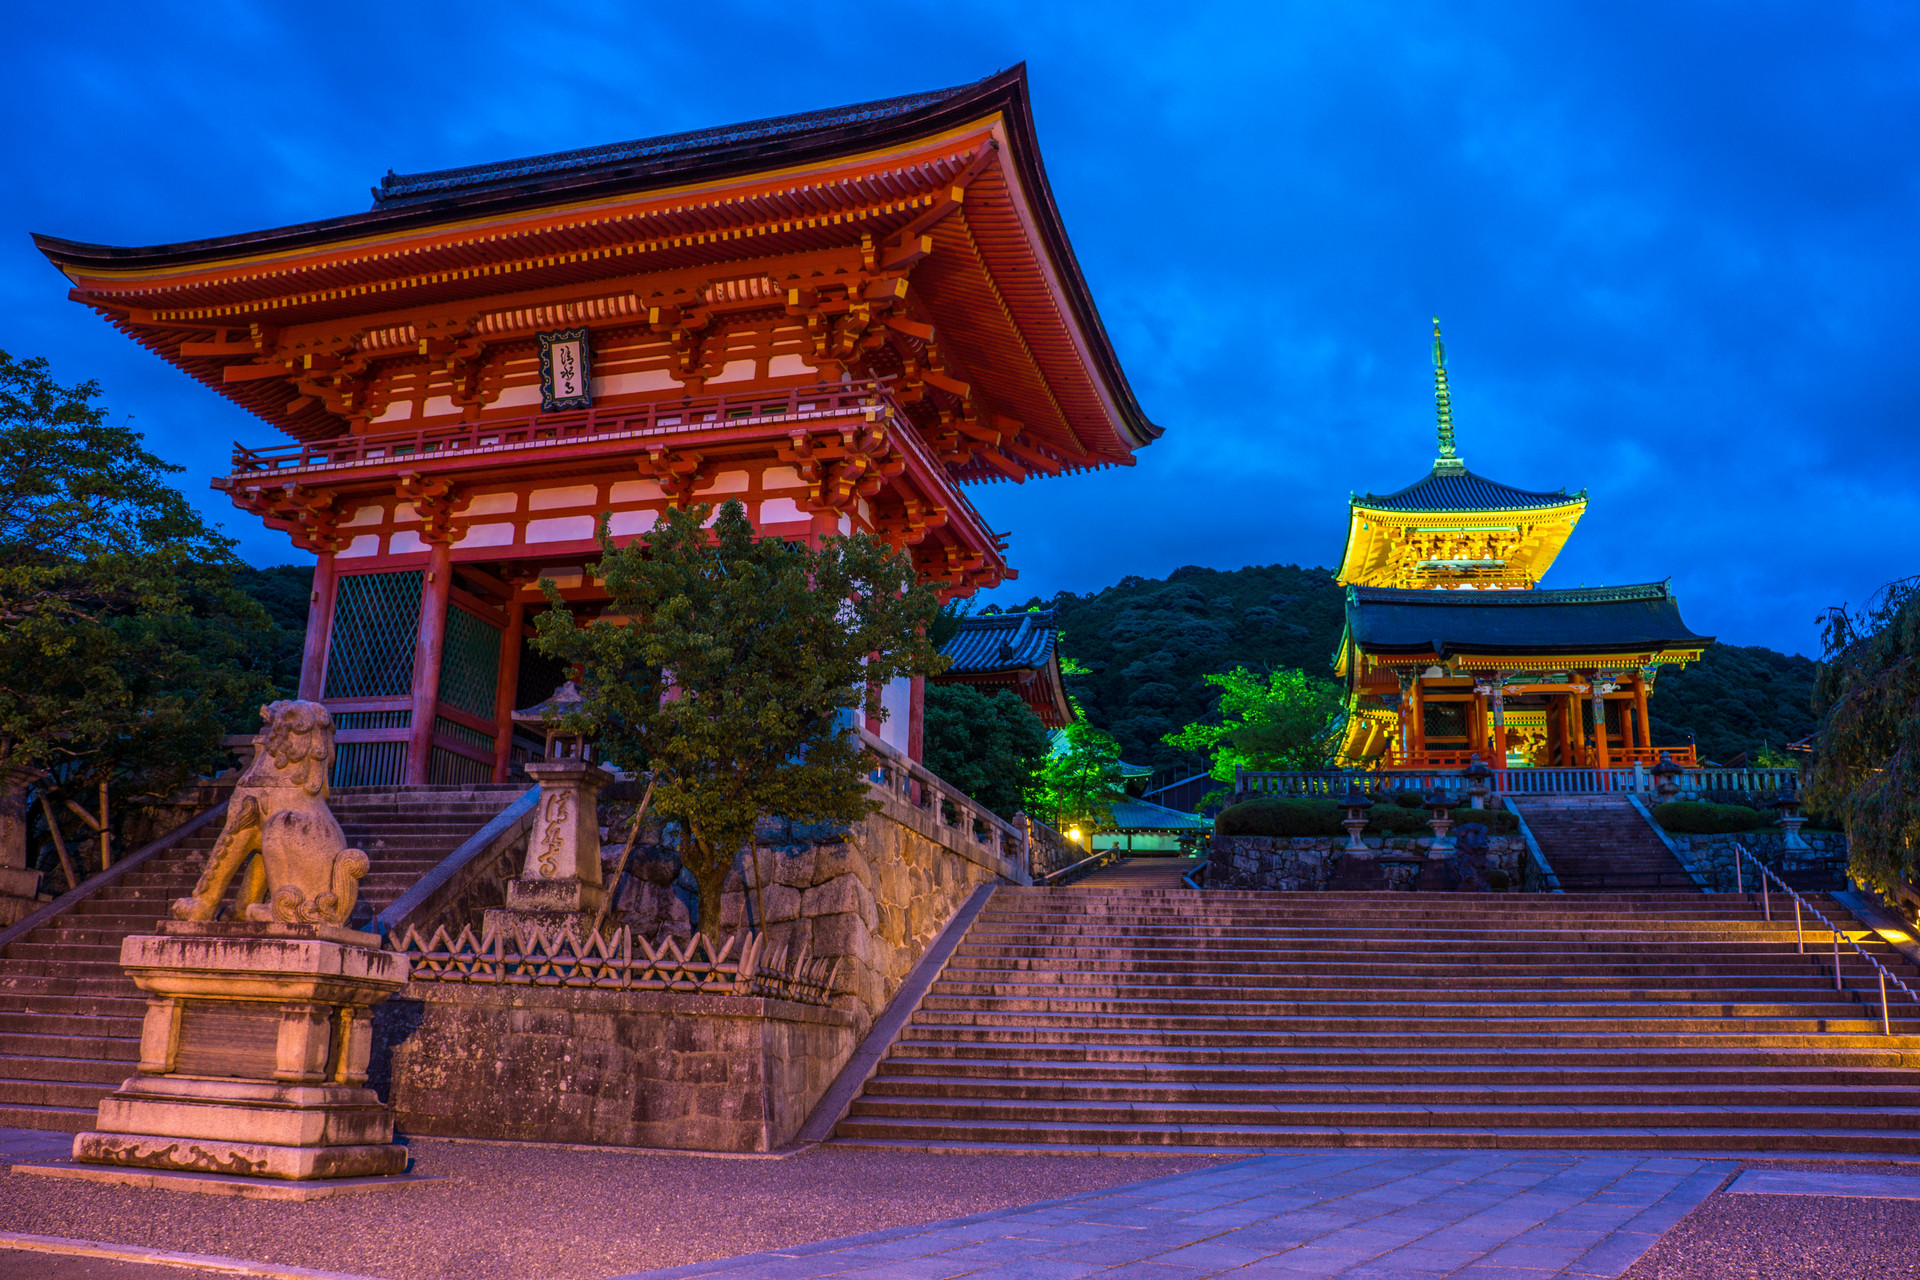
(641, 1069)
(1323, 862)
(872, 896)
(1711, 857)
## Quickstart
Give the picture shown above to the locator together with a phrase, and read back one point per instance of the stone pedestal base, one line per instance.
(253, 1055)
(19, 893)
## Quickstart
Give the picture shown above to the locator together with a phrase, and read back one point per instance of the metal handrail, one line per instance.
(1800, 904)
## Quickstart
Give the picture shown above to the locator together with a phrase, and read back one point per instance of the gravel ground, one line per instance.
(534, 1213)
(1734, 1237)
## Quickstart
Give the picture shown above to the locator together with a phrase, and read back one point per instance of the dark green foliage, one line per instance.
(1147, 644)
(1323, 818)
(1736, 701)
(1409, 800)
(1866, 761)
(989, 745)
(1699, 818)
(768, 648)
(283, 591)
(125, 650)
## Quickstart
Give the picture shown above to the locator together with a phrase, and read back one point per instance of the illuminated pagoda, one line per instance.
(1017, 653)
(839, 318)
(1452, 648)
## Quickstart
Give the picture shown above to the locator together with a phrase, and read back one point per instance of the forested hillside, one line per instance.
(1147, 643)
(1735, 701)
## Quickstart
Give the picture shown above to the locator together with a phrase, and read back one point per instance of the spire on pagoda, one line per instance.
(1448, 462)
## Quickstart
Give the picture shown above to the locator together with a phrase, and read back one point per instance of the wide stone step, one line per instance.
(1871, 1051)
(1262, 1013)
(1411, 1093)
(1367, 1073)
(1005, 1136)
(1843, 1033)
(963, 1111)
(54, 1119)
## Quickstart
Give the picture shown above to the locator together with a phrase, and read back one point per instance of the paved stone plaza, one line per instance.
(1366, 1215)
(1360, 1214)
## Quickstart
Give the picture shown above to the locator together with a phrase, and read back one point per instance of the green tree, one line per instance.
(731, 671)
(1080, 781)
(990, 745)
(1866, 763)
(1282, 722)
(124, 645)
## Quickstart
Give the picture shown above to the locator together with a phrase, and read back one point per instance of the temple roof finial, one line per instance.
(1443, 404)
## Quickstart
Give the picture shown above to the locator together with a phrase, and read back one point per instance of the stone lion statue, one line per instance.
(301, 870)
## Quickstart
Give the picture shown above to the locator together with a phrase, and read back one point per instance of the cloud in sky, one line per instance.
(1672, 245)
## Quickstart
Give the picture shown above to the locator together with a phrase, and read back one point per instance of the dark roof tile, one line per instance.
(990, 642)
(397, 189)
(1463, 491)
(1580, 620)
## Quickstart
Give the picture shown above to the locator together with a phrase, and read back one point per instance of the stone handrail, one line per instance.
(973, 828)
(429, 896)
(1048, 852)
(1540, 871)
(100, 880)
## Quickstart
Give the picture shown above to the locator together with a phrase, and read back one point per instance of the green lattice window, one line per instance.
(470, 663)
(372, 719)
(1444, 720)
(460, 733)
(376, 623)
(369, 764)
(449, 768)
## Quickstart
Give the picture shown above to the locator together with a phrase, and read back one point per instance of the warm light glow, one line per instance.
(1893, 935)
(1073, 834)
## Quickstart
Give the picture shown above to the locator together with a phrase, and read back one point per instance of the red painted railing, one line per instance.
(663, 417)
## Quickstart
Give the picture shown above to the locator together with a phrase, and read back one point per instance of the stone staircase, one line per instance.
(1088, 1019)
(1602, 844)
(70, 1020)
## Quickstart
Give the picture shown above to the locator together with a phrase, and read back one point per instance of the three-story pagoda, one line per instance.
(1452, 648)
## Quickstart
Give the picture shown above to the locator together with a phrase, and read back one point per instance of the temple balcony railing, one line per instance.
(1617, 757)
(1634, 779)
(738, 413)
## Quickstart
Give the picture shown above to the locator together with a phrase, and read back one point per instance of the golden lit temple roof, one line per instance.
(1453, 528)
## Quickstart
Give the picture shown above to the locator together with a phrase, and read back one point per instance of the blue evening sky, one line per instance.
(1673, 244)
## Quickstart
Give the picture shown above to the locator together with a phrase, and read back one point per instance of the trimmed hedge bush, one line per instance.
(1323, 817)
(1698, 818)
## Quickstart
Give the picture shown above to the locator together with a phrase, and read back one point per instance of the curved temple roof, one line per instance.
(1632, 619)
(988, 643)
(1001, 282)
(1451, 489)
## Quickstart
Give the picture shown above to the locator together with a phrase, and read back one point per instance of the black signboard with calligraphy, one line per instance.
(566, 381)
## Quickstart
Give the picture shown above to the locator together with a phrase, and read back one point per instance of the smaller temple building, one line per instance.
(1017, 653)
(1452, 649)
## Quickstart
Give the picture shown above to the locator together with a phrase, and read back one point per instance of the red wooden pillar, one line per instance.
(426, 660)
(1640, 711)
(503, 708)
(313, 658)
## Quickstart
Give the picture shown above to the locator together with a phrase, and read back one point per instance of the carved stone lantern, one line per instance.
(1666, 777)
(1356, 802)
(1787, 805)
(560, 885)
(1440, 806)
(1479, 781)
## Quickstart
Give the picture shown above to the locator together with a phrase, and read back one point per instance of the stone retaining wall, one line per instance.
(872, 896)
(1711, 856)
(1323, 862)
(640, 1069)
